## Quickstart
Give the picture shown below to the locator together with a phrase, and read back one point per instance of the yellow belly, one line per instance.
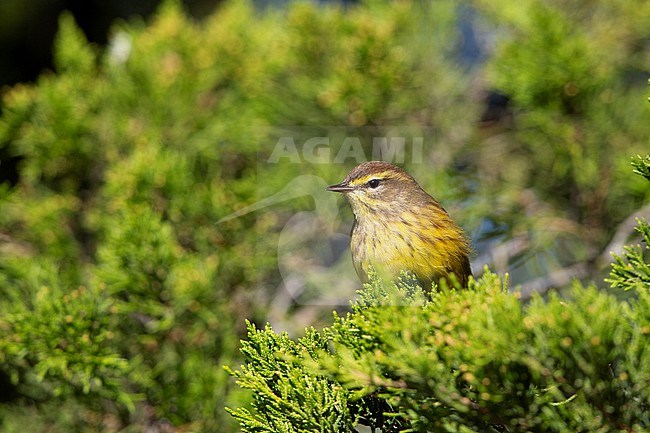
(395, 247)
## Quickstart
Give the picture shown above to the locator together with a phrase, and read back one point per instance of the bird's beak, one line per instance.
(340, 187)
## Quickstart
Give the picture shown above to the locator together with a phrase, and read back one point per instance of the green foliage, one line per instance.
(632, 270)
(122, 181)
(129, 156)
(574, 76)
(290, 399)
(467, 360)
(72, 51)
(642, 166)
(66, 337)
(121, 296)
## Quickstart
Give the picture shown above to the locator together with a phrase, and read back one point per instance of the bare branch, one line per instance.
(499, 256)
(558, 278)
(620, 238)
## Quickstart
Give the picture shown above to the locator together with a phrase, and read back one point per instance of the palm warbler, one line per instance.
(399, 227)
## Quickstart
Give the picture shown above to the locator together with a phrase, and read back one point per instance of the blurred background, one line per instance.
(28, 29)
(163, 165)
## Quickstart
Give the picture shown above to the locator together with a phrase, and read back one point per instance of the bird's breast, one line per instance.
(390, 246)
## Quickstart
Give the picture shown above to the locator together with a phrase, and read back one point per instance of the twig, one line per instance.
(564, 276)
(621, 236)
(557, 278)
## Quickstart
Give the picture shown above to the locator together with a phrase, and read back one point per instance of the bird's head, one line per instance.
(379, 186)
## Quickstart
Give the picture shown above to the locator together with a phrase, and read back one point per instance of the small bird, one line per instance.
(399, 227)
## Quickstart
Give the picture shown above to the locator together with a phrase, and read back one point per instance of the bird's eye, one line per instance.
(373, 183)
